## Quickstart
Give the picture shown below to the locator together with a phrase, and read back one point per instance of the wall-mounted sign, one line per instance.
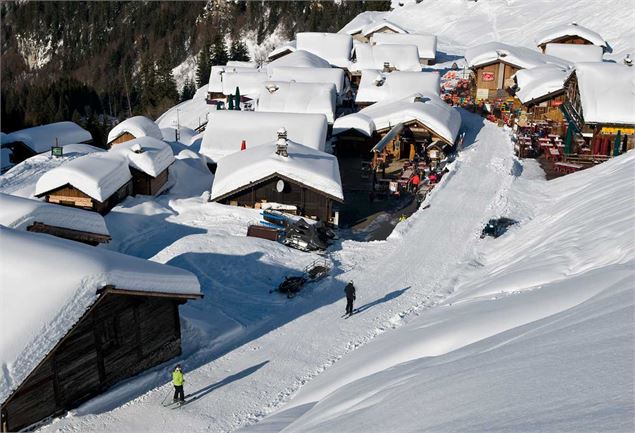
(280, 185)
(613, 130)
(487, 76)
(482, 94)
(57, 151)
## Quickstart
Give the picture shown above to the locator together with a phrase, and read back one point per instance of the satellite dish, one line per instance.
(280, 186)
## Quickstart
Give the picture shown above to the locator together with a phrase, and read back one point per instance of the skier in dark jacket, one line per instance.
(350, 297)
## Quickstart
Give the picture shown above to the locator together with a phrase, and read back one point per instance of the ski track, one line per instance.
(281, 361)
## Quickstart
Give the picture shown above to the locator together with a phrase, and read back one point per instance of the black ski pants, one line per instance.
(349, 305)
(178, 393)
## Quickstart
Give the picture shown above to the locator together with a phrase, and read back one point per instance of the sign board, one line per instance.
(487, 76)
(57, 151)
(482, 94)
(613, 130)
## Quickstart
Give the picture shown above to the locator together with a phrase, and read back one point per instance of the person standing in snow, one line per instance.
(350, 297)
(177, 381)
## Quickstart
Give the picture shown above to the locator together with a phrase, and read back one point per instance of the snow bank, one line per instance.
(330, 75)
(521, 57)
(573, 29)
(35, 317)
(98, 175)
(41, 138)
(426, 44)
(19, 213)
(294, 97)
(227, 129)
(332, 47)
(573, 53)
(376, 86)
(146, 154)
(138, 126)
(311, 167)
(607, 92)
(430, 111)
(401, 57)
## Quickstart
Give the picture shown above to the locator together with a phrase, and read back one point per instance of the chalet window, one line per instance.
(109, 335)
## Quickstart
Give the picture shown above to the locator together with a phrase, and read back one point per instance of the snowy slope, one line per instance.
(549, 309)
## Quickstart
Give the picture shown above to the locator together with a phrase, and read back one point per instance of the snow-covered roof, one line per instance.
(607, 92)
(192, 113)
(431, 111)
(41, 138)
(333, 47)
(371, 28)
(216, 75)
(426, 44)
(311, 167)
(152, 156)
(249, 83)
(572, 29)
(538, 82)
(401, 57)
(186, 135)
(287, 47)
(365, 19)
(227, 129)
(521, 57)
(293, 97)
(138, 126)
(334, 76)
(5, 158)
(299, 59)
(20, 213)
(241, 64)
(98, 175)
(575, 53)
(377, 86)
(36, 312)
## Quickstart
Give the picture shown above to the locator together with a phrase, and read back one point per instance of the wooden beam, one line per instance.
(116, 291)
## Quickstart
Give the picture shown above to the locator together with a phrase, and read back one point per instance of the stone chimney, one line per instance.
(136, 148)
(627, 60)
(386, 67)
(281, 144)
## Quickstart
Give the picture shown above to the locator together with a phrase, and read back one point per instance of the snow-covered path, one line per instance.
(418, 266)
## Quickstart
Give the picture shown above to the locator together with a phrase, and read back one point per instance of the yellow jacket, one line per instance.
(177, 378)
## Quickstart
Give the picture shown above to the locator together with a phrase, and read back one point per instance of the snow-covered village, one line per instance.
(264, 217)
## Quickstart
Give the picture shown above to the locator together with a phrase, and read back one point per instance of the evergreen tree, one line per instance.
(203, 66)
(238, 51)
(237, 99)
(189, 89)
(219, 51)
(230, 99)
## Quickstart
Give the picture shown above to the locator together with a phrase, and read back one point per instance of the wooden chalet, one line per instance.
(599, 107)
(572, 34)
(149, 160)
(281, 172)
(116, 334)
(134, 127)
(68, 195)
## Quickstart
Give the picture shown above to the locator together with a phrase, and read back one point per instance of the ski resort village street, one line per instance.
(406, 216)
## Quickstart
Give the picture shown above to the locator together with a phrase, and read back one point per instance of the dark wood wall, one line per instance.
(145, 184)
(126, 136)
(68, 195)
(310, 203)
(120, 337)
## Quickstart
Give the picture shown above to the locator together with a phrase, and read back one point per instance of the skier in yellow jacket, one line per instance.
(177, 381)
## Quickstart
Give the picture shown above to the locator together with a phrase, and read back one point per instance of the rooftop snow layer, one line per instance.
(36, 312)
(20, 213)
(41, 138)
(401, 57)
(249, 83)
(376, 86)
(430, 111)
(191, 113)
(575, 53)
(371, 28)
(538, 82)
(216, 75)
(299, 59)
(154, 158)
(361, 21)
(286, 47)
(518, 56)
(426, 44)
(334, 76)
(333, 47)
(311, 167)
(294, 97)
(227, 129)
(572, 29)
(98, 175)
(607, 92)
(139, 126)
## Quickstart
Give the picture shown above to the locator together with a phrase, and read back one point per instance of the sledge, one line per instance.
(315, 271)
